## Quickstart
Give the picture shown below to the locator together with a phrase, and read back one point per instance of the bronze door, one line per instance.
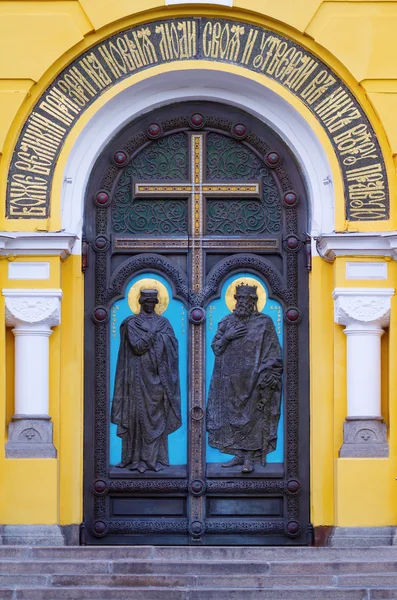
(196, 334)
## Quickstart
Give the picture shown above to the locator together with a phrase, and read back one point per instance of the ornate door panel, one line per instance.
(196, 362)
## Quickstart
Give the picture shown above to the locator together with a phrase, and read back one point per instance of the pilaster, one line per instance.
(32, 314)
(365, 312)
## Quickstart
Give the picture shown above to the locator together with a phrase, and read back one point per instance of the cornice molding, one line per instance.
(32, 307)
(381, 244)
(362, 306)
(37, 243)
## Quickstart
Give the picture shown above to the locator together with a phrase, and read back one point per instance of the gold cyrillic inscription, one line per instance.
(252, 47)
(61, 107)
(95, 70)
(356, 144)
(222, 40)
(177, 41)
(28, 194)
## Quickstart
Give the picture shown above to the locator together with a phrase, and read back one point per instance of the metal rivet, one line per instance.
(120, 158)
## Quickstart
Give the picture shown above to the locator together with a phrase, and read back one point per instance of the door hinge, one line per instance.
(84, 254)
(308, 252)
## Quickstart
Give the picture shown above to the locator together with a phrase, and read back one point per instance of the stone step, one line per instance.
(197, 573)
(186, 553)
(271, 554)
(369, 581)
(95, 593)
(332, 567)
(348, 537)
(56, 566)
(83, 552)
(23, 579)
(249, 567)
(192, 581)
(163, 567)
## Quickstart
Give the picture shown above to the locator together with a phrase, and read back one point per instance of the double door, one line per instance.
(196, 335)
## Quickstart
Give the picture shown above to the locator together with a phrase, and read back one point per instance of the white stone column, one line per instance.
(365, 312)
(31, 313)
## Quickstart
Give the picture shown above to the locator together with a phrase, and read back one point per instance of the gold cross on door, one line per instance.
(196, 190)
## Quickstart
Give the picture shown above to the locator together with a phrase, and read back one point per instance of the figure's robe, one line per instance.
(146, 403)
(245, 392)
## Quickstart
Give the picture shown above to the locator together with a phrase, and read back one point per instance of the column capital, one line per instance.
(26, 307)
(362, 306)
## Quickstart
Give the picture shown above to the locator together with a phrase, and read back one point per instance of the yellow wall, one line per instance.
(37, 39)
(97, 20)
(365, 490)
(47, 491)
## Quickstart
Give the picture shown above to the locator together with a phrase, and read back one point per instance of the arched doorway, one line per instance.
(192, 432)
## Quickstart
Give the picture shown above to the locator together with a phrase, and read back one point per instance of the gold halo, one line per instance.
(148, 284)
(231, 290)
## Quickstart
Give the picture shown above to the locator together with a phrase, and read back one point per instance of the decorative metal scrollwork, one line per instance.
(165, 159)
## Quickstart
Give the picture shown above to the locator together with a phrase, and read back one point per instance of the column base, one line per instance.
(361, 537)
(364, 437)
(32, 535)
(30, 436)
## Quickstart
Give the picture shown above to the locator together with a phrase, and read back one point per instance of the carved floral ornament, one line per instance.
(365, 306)
(32, 307)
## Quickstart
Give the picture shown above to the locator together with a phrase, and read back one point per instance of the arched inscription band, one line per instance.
(254, 48)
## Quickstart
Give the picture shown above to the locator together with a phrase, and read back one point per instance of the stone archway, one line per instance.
(178, 86)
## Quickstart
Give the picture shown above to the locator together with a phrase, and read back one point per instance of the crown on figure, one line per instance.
(148, 295)
(246, 290)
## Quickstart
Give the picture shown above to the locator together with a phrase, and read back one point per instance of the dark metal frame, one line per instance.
(105, 281)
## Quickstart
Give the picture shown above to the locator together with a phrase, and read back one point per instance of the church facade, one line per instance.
(198, 272)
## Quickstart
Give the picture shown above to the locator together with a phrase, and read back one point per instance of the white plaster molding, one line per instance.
(25, 307)
(58, 243)
(32, 313)
(199, 84)
(28, 270)
(366, 270)
(362, 306)
(4, 238)
(364, 312)
(381, 244)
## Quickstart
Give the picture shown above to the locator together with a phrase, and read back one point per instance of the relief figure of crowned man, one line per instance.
(245, 391)
(147, 402)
